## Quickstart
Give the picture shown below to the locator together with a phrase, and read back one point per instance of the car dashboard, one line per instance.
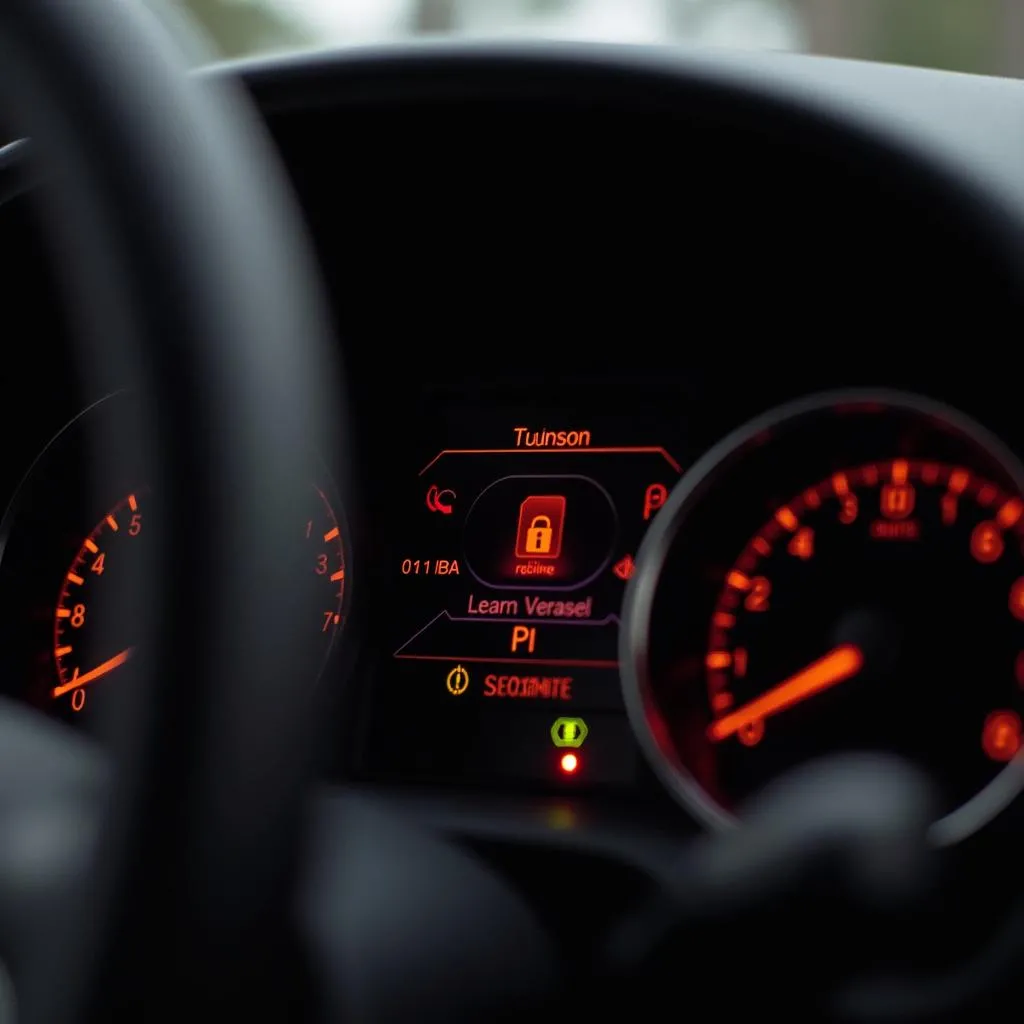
(562, 278)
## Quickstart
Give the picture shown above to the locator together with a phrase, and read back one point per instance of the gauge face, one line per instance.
(327, 551)
(74, 565)
(81, 651)
(89, 649)
(845, 574)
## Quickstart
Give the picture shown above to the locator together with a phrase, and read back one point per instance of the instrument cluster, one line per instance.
(519, 536)
(611, 602)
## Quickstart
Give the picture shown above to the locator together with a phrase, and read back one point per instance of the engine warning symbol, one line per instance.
(541, 525)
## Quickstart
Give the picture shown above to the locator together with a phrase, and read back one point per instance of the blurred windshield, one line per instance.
(984, 36)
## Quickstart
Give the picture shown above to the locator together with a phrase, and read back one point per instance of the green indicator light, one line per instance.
(569, 732)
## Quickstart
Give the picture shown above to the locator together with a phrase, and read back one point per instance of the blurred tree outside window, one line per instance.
(238, 28)
(983, 36)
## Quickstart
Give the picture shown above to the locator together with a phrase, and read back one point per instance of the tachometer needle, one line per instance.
(838, 665)
(93, 674)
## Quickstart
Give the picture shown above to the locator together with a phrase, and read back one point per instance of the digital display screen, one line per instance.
(517, 543)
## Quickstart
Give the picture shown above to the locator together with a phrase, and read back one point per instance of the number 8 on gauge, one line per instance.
(89, 639)
(102, 557)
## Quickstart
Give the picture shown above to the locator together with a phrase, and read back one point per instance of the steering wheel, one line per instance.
(173, 883)
(184, 262)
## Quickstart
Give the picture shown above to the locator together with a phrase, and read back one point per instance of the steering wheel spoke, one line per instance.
(187, 270)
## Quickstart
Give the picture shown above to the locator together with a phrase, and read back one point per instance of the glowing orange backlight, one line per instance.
(949, 509)
(897, 500)
(760, 591)
(986, 542)
(785, 518)
(1009, 515)
(1017, 598)
(802, 543)
(738, 580)
(752, 733)
(804, 528)
(958, 480)
(718, 659)
(1000, 735)
(840, 664)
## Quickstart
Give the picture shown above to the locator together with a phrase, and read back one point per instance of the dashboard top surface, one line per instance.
(965, 121)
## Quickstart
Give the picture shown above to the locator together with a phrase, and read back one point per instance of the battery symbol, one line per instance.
(569, 732)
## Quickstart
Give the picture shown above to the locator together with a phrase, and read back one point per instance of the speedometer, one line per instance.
(846, 573)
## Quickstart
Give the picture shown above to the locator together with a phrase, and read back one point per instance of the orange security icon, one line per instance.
(541, 524)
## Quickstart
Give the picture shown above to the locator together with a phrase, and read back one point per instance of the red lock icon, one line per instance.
(541, 525)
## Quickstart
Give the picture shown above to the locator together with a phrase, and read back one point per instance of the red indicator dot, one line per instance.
(569, 763)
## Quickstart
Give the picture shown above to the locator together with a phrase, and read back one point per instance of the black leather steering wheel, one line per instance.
(184, 262)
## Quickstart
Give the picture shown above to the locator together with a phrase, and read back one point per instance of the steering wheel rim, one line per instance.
(184, 260)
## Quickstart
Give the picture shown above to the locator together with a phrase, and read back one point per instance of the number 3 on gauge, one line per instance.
(324, 533)
(103, 566)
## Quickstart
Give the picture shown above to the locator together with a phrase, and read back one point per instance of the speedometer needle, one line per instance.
(93, 674)
(838, 665)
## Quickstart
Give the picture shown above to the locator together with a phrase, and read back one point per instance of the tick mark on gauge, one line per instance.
(91, 546)
(112, 523)
(738, 580)
(72, 578)
(61, 651)
(339, 575)
(1010, 513)
(331, 534)
(785, 518)
(958, 480)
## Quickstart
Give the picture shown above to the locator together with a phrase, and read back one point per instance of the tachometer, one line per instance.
(87, 645)
(845, 573)
(75, 565)
(78, 653)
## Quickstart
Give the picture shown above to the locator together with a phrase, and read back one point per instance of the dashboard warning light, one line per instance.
(440, 500)
(623, 568)
(457, 681)
(569, 763)
(654, 497)
(541, 523)
(569, 732)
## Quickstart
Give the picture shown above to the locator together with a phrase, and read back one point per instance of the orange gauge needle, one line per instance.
(93, 674)
(838, 665)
